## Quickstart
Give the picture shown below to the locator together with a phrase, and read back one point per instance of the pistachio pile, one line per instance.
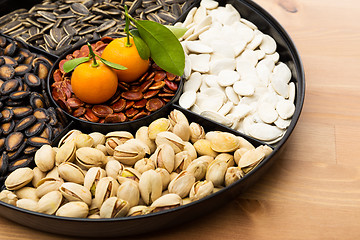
(165, 165)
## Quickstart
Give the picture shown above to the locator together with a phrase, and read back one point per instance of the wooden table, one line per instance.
(313, 190)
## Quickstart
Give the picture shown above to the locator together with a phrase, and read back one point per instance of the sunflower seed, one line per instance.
(47, 15)
(56, 34)
(35, 23)
(34, 37)
(43, 20)
(79, 9)
(154, 17)
(106, 25)
(65, 41)
(12, 26)
(134, 6)
(66, 15)
(49, 42)
(167, 17)
(34, 30)
(152, 8)
(70, 30)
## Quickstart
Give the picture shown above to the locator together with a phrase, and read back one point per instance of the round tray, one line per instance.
(165, 219)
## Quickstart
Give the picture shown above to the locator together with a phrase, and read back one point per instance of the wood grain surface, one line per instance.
(313, 190)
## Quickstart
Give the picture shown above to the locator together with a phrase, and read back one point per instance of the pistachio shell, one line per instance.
(232, 175)
(50, 202)
(71, 172)
(203, 148)
(251, 158)
(181, 185)
(113, 167)
(201, 189)
(216, 172)
(94, 216)
(144, 164)
(182, 130)
(114, 207)
(164, 157)
(92, 178)
(89, 157)
(105, 189)
(129, 191)
(8, 197)
(98, 138)
(53, 173)
(27, 193)
(129, 174)
(196, 132)
(165, 177)
(111, 143)
(68, 137)
(182, 160)
(165, 202)
(142, 134)
(224, 142)
(157, 126)
(172, 139)
(177, 116)
(47, 185)
(75, 209)
(19, 178)
(66, 153)
(102, 148)
(198, 168)
(45, 158)
(137, 210)
(190, 149)
(28, 204)
(75, 192)
(129, 153)
(38, 175)
(83, 140)
(150, 185)
(239, 153)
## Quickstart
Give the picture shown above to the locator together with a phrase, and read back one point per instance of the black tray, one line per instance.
(169, 218)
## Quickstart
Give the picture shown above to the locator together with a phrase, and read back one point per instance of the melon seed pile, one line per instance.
(235, 65)
(167, 164)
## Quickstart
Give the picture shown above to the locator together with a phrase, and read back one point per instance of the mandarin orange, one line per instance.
(94, 85)
(117, 52)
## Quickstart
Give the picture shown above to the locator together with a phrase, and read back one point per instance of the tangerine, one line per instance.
(118, 52)
(94, 85)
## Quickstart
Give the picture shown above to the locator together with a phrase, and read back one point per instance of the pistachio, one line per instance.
(98, 138)
(201, 189)
(19, 178)
(224, 142)
(182, 130)
(83, 140)
(140, 143)
(232, 175)
(38, 175)
(50, 202)
(142, 134)
(239, 153)
(75, 209)
(137, 210)
(176, 117)
(68, 137)
(47, 185)
(129, 191)
(181, 185)
(113, 167)
(191, 150)
(105, 189)
(111, 143)
(165, 202)
(102, 148)
(157, 126)
(165, 177)
(92, 177)
(216, 172)
(129, 153)
(251, 158)
(45, 158)
(186, 201)
(114, 207)
(196, 132)
(71, 172)
(28, 204)
(114, 139)
(75, 192)
(172, 139)
(53, 173)
(144, 165)
(150, 185)
(66, 153)
(203, 148)
(182, 160)
(198, 168)
(8, 197)
(90, 157)
(27, 193)
(129, 174)
(94, 216)
(245, 143)
(265, 149)
(164, 157)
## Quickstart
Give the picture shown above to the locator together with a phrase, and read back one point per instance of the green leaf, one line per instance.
(71, 64)
(165, 48)
(141, 46)
(177, 31)
(113, 65)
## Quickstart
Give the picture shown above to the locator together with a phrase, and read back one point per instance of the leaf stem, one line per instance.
(127, 23)
(92, 55)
